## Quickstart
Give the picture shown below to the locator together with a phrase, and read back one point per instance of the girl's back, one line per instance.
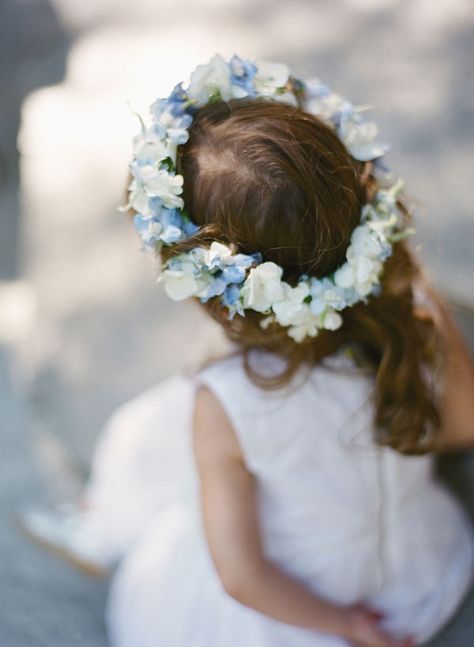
(352, 519)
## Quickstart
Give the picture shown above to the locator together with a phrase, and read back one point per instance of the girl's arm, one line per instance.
(231, 527)
(457, 400)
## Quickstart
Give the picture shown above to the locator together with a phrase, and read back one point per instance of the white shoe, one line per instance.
(67, 532)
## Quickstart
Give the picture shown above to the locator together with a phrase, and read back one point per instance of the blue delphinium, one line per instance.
(166, 225)
(189, 228)
(175, 104)
(242, 73)
(231, 300)
(225, 271)
(173, 115)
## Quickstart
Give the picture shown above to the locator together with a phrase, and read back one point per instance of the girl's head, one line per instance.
(273, 179)
(266, 177)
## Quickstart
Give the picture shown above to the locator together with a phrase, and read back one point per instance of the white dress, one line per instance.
(353, 521)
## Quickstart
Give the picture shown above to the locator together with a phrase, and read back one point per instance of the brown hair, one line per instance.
(268, 177)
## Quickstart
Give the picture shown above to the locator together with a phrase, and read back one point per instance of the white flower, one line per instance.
(286, 97)
(269, 77)
(366, 274)
(149, 182)
(359, 139)
(326, 106)
(180, 283)
(264, 323)
(363, 243)
(307, 326)
(152, 232)
(149, 147)
(209, 78)
(217, 252)
(291, 309)
(332, 320)
(213, 257)
(387, 199)
(344, 277)
(262, 287)
(184, 278)
(363, 266)
(315, 88)
(324, 293)
(138, 199)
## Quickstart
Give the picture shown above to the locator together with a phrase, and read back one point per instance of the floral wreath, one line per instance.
(241, 281)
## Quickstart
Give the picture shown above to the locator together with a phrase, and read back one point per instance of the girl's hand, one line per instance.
(365, 631)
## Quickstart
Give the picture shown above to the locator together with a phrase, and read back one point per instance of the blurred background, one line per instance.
(83, 325)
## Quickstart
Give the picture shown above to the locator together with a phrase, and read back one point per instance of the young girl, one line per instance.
(283, 495)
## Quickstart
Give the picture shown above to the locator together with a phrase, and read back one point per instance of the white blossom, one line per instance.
(326, 106)
(292, 307)
(150, 182)
(262, 287)
(332, 320)
(180, 283)
(307, 326)
(209, 78)
(148, 146)
(360, 139)
(286, 97)
(218, 252)
(269, 77)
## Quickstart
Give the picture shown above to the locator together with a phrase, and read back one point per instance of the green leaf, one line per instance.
(214, 95)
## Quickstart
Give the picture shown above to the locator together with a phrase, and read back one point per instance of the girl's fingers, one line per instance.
(384, 641)
(375, 615)
(388, 641)
(406, 642)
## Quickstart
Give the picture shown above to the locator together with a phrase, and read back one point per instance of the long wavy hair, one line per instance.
(268, 177)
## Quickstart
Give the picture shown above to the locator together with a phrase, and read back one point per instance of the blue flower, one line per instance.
(231, 295)
(149, 229)
(314, 89)
(164, 225)
(189, 228)
(156, 205)
(172, 224)
(246, 260)
(175, 104)
(343, 114)
(172, 218)
(170, 234)
(215, 287)
(233, 274)
(242, 74)
(177, 136)
(173, 116)
(231, 300)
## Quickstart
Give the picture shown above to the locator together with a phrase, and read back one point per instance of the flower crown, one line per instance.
(243, 282)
